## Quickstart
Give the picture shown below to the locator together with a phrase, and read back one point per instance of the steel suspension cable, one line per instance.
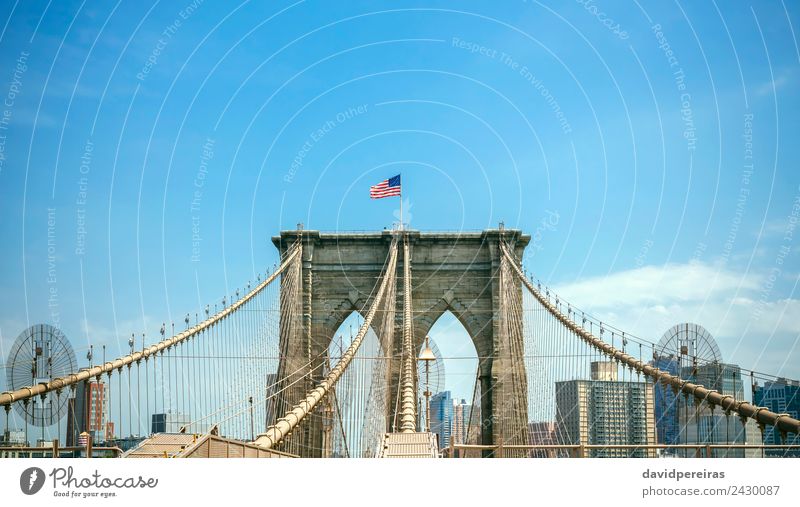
(24, 393)
(762, 415)
(276, 433)
(408, 402)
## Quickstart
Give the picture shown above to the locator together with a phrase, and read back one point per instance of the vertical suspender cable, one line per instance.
(284, 425)
(408, 403)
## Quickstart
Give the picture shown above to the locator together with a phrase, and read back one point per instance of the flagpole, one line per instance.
(401, 206)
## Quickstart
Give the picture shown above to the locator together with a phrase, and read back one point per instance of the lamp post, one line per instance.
(427, 356)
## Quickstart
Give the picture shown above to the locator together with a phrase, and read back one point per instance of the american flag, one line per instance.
(386, 188)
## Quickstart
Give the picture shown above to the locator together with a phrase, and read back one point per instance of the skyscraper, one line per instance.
(543, 433)
(442, 417)
(87, 412)
(605, 411)
(169, 422)
(700, 424)
(666, 403)
(461, 415)
(783, 397)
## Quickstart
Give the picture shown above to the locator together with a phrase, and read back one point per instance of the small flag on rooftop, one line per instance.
(386, 188)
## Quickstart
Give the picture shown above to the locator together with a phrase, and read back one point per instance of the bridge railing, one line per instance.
(632, 451)
(54, 450)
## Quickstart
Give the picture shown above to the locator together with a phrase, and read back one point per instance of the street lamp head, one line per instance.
(427, 354)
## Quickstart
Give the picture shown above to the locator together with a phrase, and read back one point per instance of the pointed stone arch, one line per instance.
(458, 272)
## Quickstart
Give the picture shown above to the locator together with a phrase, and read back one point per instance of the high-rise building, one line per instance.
(604, 370)
(725, 378)
(12, 437)
(442, 417)
(169, 422)
(606, 411)
(666, 403)
(783, 397)
(461, 416)
(702, 424)
(97, 410)
(87, 412)
(543, 433)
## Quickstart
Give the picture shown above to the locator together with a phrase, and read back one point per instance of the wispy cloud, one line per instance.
(650, 286)
(756, 331)
(781, 80)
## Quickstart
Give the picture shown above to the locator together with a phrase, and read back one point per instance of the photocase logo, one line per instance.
(31, 480)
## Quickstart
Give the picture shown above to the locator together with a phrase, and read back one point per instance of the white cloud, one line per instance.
(654, 286)
(752, 330)
(769, 87)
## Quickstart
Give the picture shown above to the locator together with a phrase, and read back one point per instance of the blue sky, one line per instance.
(620, 134)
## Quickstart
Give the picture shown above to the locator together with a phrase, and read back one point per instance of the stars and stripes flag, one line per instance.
(386, 188)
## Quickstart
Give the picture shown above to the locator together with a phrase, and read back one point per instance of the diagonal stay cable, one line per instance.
(408, 402)
(246, 402)
(276, 433)
(762, 415)
(42, 388)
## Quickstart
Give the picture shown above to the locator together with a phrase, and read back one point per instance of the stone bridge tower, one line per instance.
(459, 272)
